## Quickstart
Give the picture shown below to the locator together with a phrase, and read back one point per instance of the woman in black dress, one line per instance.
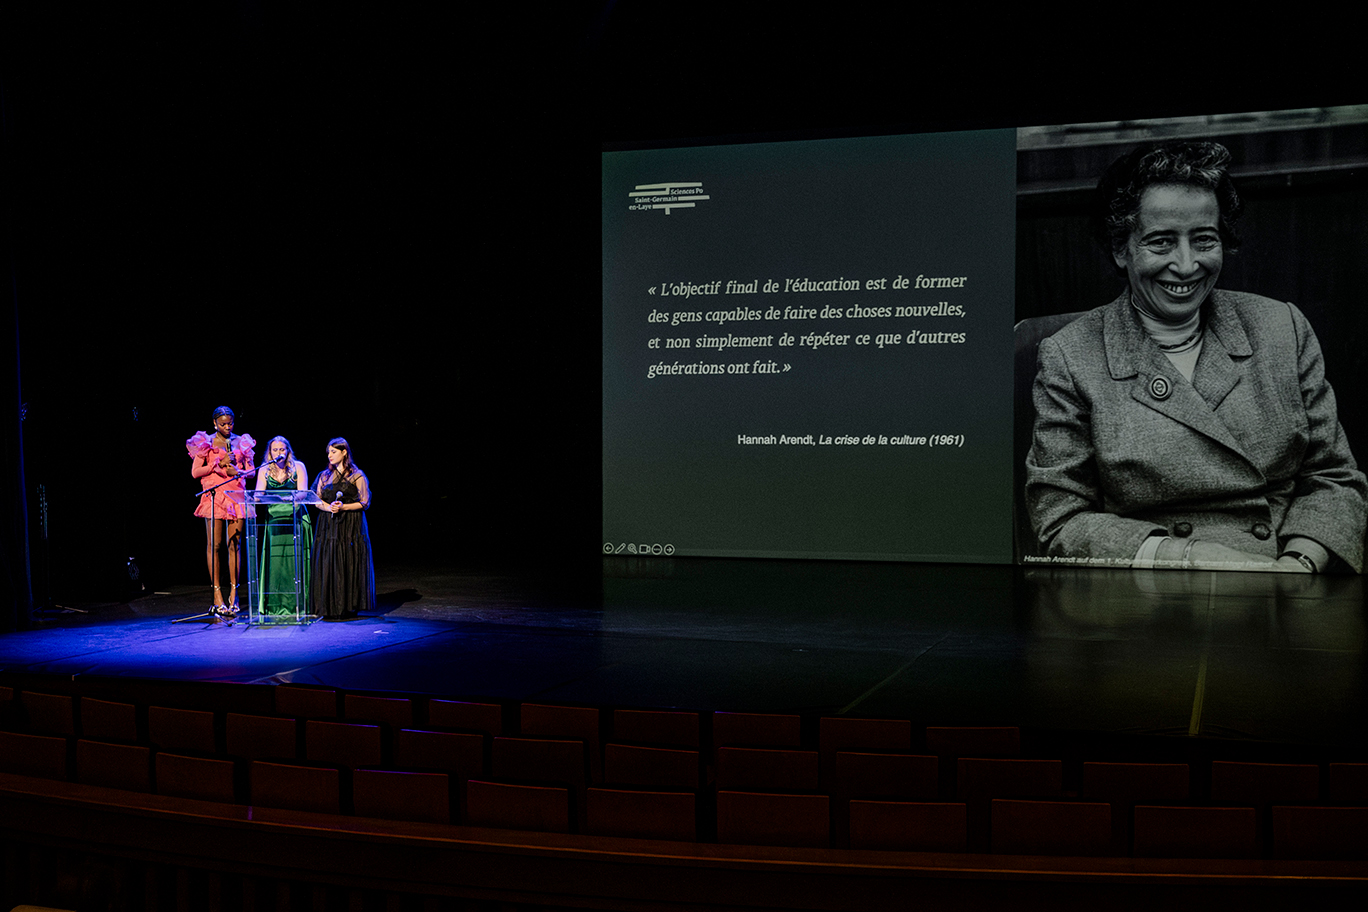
(343, 575)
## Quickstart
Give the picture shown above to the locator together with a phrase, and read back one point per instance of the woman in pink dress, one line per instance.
(214, 459)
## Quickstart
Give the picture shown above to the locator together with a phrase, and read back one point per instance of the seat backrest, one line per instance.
(342, 743)
(658, 728)
(480, 717)
(205, 778)
(908, 826)
(394, 795)
(180, 729)
(1265, 783)
(40, 756)
(642, 814)
(766, 770)
(460, 754)
(757, 818)
(396, 712)
(105, 720)
(651, 767)
(540, 759)
(517, 807)
(299, 788)
(1051, 827)
(261, 737)
(306, 702)
(1320, 832)
(756, 730)
(1194, 832)
(48, 714)
(121, 766)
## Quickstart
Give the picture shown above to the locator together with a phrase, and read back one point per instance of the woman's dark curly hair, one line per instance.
(1196, 164)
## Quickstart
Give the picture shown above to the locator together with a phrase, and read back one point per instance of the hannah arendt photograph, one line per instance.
(1185, 424)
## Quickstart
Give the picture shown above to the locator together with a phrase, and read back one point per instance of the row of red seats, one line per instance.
(860, 787)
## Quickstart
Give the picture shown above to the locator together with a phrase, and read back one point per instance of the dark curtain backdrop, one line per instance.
(339, 221)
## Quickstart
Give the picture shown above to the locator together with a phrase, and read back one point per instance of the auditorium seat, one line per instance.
(1320, 832)
(908, 826)
(730, 729)
(973, 741)
(1194, 832)
(540, 760)
(181, 729)
(1051, 827)
(47, 714)
(839, 733)
(1347, 783)
(907, 777)
(1124, 785)
(105, 720)
(395, 712)
(477, 717)
(205, 778)
(121, 766)
(305, 702)
(1265, 783)
(766, 770)
(41, 756)
(518, 807)
(759, 818)
(566, 723)
(343, 744)
(656, 728)
(294, 787)
(949, 743)
(863, 775)
(642, 814)
(395, 795)
(982, 779)
(651, 767)
(1133, 783)
(261, 737)
(460, 755)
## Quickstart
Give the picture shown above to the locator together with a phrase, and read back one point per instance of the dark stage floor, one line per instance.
(1268, 657)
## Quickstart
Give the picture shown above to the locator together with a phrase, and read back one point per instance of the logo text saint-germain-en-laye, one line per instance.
(667, 196)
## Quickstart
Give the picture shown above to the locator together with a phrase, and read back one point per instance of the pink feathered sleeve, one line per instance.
(197, 445)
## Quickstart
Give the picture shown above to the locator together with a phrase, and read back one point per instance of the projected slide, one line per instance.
(807, 349)
(965, 348)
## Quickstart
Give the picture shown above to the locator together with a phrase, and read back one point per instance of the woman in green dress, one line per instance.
(282, 472)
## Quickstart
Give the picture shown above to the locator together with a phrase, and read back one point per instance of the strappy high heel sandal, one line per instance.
(219, 610)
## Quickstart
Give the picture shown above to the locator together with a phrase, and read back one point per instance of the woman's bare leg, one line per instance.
(213, 537)
(234, 528)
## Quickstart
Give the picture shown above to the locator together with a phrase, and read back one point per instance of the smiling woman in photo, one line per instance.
(1183, 425)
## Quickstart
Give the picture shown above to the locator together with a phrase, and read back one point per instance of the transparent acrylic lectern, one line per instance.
(279, 536)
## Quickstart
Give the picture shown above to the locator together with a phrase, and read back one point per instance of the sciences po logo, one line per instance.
(667, 196)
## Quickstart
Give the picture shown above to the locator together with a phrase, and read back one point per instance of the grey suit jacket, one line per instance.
(1248, 454)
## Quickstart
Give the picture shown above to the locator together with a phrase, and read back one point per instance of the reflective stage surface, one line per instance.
(1269, 657)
